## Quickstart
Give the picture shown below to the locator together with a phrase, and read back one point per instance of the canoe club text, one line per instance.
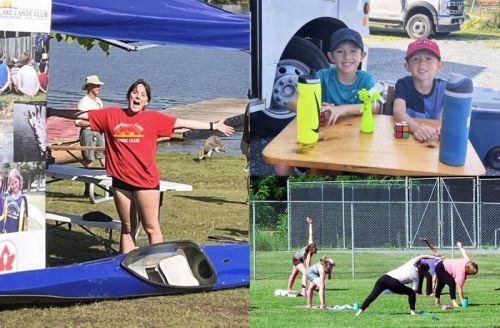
(23, 13)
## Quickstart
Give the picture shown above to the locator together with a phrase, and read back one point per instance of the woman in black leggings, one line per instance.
(453, 273)
(395, 281)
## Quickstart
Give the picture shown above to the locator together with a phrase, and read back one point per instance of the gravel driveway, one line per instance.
(478, 59)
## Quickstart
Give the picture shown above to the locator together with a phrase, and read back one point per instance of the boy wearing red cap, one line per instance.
(421, 94)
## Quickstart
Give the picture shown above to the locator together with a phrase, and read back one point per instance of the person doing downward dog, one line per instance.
(130, 138)
(430, 275)
(302, 260)
(316, 275)
(453, 273)
(395, 281)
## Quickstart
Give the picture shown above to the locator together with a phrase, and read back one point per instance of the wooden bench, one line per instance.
(64, 218)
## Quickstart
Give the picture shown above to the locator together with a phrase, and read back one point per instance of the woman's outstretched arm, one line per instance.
(69, 114)
(200, 125)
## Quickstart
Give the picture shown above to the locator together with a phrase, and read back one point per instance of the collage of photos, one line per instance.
(250, 163)
(23, 149)
(375, 172)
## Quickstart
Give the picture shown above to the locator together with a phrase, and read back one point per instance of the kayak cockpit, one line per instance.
(173, 264)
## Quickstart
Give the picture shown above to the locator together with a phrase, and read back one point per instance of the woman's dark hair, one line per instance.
(422, 267)
(136, 83)
(328, 265)
(311, 248)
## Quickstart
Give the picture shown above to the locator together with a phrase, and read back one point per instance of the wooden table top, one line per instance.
(342, 147)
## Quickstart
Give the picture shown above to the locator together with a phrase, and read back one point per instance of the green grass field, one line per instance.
(216, 206)
(273, 269)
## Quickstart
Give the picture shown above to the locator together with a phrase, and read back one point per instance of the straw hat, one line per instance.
(92, 79)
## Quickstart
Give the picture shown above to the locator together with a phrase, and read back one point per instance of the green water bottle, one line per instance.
(308, 108)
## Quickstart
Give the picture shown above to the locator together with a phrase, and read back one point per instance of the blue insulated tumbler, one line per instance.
(455, 120)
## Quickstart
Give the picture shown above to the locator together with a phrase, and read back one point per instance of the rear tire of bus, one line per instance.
(298, 58)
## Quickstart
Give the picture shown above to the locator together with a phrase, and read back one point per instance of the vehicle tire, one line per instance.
(306, 52)
(299, 57)
(493, 158)
(419, 26)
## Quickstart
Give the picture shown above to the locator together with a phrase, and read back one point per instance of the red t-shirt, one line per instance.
(131, 143)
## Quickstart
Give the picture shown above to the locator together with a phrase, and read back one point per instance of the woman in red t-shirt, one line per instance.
(130, 142)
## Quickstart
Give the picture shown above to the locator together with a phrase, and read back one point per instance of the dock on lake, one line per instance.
(229, 109)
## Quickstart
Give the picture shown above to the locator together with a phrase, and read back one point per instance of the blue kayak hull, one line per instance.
(136, 274)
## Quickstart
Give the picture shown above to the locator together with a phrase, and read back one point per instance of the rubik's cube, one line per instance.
(322, 118)
(401, 130)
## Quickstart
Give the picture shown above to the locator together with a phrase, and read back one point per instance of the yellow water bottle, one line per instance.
(308, 108)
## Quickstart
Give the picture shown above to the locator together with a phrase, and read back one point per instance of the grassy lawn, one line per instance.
(40, 97)
(273, 269)
(217, 205)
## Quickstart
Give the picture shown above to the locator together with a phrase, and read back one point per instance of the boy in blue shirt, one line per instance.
(340, 84)
(421, 94)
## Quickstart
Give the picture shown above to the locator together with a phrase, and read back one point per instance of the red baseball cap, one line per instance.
(425, 44)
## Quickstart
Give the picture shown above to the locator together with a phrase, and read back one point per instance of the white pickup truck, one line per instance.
(420, 18)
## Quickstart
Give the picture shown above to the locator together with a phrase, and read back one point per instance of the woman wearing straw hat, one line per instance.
(91, 101)
(131, 135)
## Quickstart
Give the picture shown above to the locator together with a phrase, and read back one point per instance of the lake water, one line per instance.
(177, 75)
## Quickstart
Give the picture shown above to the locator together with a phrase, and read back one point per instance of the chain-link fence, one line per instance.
(358, 222)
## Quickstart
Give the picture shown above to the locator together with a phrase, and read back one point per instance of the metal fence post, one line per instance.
(254, 246)
(352, 240)
(288, 214)
(408, 199)
(343, 214)
(496, 231)
(474, 221)
(440, 213)
(322, 214)
(452, 227)
(478, 213)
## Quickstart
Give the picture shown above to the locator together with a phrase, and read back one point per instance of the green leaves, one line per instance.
(84, 42)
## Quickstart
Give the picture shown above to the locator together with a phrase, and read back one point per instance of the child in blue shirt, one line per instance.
(340, 84)
(14, 217)
(421, 94)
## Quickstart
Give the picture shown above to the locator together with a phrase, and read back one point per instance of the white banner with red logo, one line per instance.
(25, 15)
(18, 254)
(22, 133)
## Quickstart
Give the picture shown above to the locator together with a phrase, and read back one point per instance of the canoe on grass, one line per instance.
(167, 268)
